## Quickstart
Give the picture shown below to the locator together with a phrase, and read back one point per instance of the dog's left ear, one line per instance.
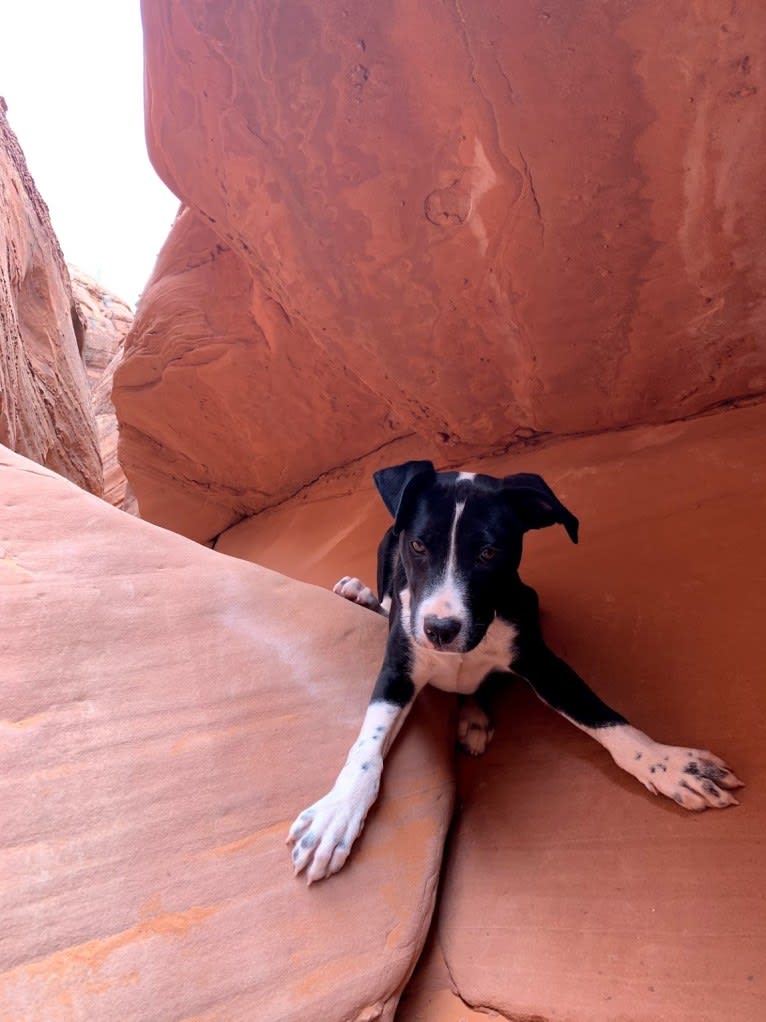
(392, 483)
(536, 505)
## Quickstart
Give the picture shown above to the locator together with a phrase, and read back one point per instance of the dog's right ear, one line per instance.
(398, 484)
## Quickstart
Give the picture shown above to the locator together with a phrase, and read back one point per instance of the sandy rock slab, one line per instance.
(165, 711)
(570, 893)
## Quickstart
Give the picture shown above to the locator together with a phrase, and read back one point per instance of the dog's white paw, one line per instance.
(694, 778)
(323, 834)
(356, 591)
(474, 728)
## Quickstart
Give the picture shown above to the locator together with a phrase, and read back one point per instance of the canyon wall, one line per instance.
(474, 224)
(510, 236)
(45, 407)
(106, 319)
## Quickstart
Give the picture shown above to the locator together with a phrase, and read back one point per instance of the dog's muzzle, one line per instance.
(441, 631)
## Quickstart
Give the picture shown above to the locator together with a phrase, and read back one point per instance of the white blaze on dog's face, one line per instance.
(458, 544)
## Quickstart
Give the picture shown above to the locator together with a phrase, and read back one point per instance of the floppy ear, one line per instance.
(400, 480)
(536, 505)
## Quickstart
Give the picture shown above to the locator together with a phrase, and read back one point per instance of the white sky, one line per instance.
(71, 72)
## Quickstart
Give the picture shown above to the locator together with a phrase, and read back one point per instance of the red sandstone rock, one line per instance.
(484, 221)
(117, 489)
(45, 410)
(164, 712)
(569, 892)
(231, 366)
(430, 995)
(106, 320)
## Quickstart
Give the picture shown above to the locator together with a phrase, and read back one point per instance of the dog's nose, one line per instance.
(441, 630)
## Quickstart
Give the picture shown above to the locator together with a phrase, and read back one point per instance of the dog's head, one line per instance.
(460, 538)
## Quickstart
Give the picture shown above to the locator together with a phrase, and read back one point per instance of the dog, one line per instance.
(460, 618)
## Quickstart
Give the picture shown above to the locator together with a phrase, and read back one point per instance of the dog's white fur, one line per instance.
(447, 598)
(460, 672)
(325, 832)
(663, 768)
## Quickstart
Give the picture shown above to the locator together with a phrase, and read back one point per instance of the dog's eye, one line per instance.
(417, 546)
(487, 554)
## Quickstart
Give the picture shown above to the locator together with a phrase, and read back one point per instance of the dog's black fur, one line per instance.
(461, 618)
(502, 510)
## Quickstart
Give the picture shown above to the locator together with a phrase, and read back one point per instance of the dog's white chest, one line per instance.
(464, 672)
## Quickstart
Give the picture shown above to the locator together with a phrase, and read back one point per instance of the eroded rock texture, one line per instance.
(164, 714)
(480, 220)
(45, 410)
(106, 320)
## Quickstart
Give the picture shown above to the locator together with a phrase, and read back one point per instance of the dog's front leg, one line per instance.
(694, 778)
(323, 834)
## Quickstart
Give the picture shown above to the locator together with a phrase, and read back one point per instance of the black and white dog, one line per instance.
(460, 617)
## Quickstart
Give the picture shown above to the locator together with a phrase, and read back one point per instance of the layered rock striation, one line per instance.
(106, 319)
(45, 408)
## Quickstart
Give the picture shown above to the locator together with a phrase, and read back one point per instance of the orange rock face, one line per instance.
(148, 779)
(45, 410)
(264, 405)
(482, 222)
(117, 489)
(106, 320)
(569, 892)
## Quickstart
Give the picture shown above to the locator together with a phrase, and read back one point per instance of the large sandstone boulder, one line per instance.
(215, 355)
(45, 410)
(472, 223)
(165, 711)
(106, 320)
(570, 893)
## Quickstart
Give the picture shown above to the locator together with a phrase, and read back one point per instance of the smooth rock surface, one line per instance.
(571, 893)
(45, 410)
(561, 234)
(165, 711)
(263, 409)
